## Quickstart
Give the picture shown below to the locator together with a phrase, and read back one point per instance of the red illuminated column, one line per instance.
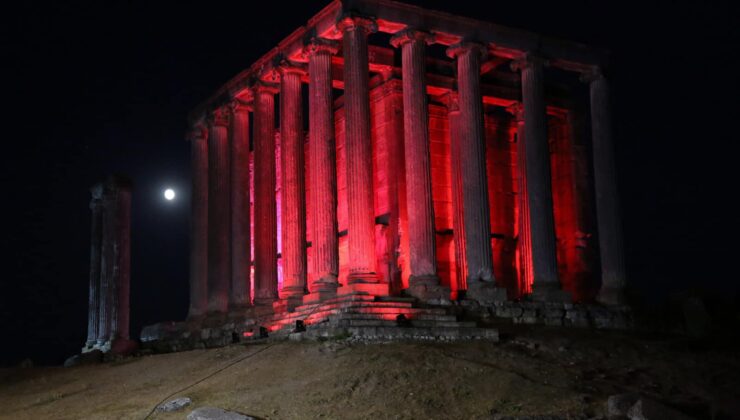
(360, 206)
(265, 212)
(458, 228)
(96, 238)
(199, 222)
(294, 199)
(546, 285)
(476, 217)
(525, 240)
(323, 175)
(219, 212)
(423, 281)
(613, 272)
(239, 296)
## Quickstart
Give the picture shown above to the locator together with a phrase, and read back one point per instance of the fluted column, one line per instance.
(107, 265)
(265, 212)
(423, 281)
(546, 285)
(360, 205)
(239, 295)
(613, 272)
(122, 268)
(477, 225)
(199, 222)
(525, 240)
(96, 237)
(219, 212)
(294, 198)
(458, 216)
(324, 269)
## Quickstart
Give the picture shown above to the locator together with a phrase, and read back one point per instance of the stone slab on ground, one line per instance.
(176, 404)
(215, 413)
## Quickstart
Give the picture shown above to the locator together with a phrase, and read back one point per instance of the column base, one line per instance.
(353, 278)
(322, 290)
(375, 289)
(485, 293)
(550, 293)
(287, 304)
(611, 296)
(123, 346)
(429, 290)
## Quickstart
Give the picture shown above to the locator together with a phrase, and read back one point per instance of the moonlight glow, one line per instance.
(169, 194)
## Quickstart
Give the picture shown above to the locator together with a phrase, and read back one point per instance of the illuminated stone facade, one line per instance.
(443, 159)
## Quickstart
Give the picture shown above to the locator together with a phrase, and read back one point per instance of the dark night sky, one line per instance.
(92, 89)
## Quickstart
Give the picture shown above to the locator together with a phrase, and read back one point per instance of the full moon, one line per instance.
(169, 194)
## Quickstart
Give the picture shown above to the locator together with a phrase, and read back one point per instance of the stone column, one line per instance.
(423, 281)
(458, 216)
(199, 222)
(96, 238)
(107, 264)
(476, 220)
(219, 212)
(546, 285)
(323, 172)
(359, 163)
(525, 240)
(122, 266)
(294, 200)
(239, 297)
(613, 271)
(265, 213)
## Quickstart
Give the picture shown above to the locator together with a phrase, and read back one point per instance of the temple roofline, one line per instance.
(392, 16)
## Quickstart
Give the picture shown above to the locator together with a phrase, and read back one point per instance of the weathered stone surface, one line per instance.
(619, 405)
(176, 404)
(213, 413)
(91, 357)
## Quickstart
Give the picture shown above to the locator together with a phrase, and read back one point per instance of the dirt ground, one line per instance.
(537, 371)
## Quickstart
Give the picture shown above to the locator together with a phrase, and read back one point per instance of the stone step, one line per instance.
(391, 316)
(352, 304)
(395, 333)
(393, 310)
(386, 323)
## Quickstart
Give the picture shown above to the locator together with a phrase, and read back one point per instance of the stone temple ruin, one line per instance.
(450, 174)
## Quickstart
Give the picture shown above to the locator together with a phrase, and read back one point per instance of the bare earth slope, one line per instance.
(541, 371)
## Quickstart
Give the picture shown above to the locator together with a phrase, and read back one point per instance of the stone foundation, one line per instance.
(366, 317)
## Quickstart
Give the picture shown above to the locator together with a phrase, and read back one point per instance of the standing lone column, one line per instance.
(219, 212)
(477, 225)
(115, 258)
(360, 205)
(265, 214)
(525, 239)
(323, 172)
(199, 222)
(96, 238)
(294, 199)
(613, 272)
(546, 285)
(423, 281)
(240, 246)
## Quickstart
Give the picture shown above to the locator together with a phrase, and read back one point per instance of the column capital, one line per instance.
(527, 60)
(241, 105)
(317, 45)
(407, 35)
(219, 117)
(593, 74)
(451, 101)
(454, 51)
(516, 110)
(350, 22)
(198, 132)
(285, 66)
(265, 87)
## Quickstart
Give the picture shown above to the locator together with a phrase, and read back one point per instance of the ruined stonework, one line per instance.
(108, 312)
(447, 177)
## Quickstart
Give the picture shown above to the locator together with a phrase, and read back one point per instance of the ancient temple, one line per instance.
(394, 153)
